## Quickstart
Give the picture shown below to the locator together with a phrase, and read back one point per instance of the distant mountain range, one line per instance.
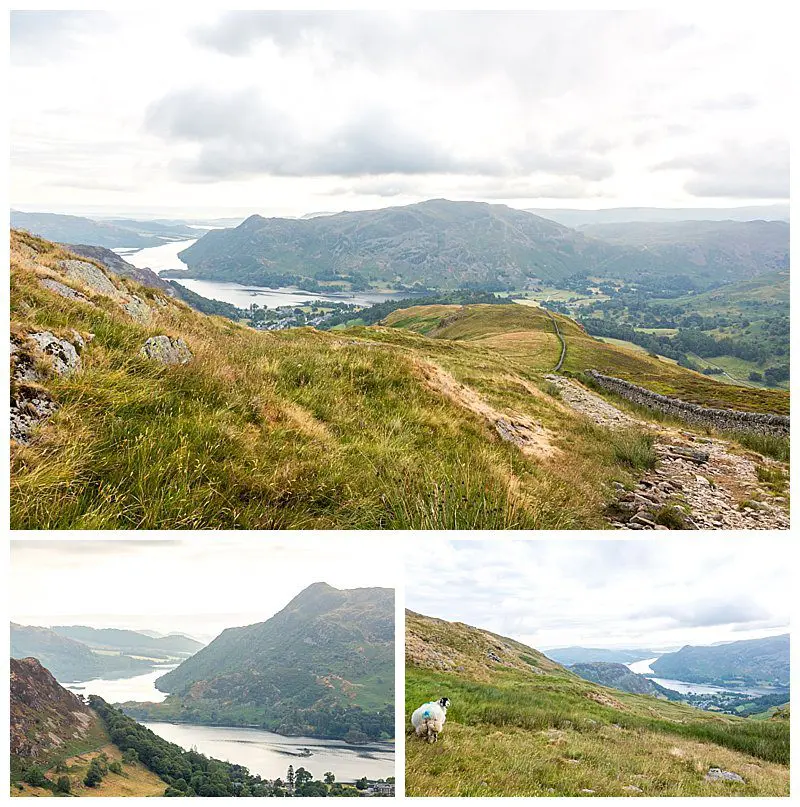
(80, 653)
(440, 244)
(587, 655)
(572, 217)
(106, 233)
(130, 641)
(324, 665)
(748, 662)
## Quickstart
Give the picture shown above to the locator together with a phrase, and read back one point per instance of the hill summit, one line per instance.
(322, 666)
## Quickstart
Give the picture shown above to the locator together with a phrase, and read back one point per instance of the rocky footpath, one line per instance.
(698, 482)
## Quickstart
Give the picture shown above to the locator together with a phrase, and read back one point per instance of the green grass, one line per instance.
(513, 731)
(634, 448)
(767, 444)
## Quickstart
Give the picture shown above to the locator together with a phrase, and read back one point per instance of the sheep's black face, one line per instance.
(444, 702)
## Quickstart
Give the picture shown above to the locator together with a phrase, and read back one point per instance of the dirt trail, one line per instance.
(531, 438)
(708, 479)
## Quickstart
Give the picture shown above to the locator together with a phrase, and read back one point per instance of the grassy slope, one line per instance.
(305, 429)
(522, 333)
(529, 727)
(289, 429)
(136, 779)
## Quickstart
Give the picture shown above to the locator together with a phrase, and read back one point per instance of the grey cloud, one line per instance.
(706, 613)
(240, 134)
(533, 49)
(41, 36)
(760, 172)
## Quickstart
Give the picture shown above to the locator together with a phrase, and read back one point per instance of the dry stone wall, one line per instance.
(720, 419)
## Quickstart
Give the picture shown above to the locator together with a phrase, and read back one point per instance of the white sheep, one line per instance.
(428, 719)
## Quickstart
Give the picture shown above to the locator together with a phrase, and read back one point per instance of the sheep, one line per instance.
(428, 719)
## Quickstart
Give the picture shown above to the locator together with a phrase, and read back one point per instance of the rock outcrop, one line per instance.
(44, 716)
(167, 350)
(34, 358)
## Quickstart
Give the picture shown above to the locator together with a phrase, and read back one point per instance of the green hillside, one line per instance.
(56, 739)
(374, 427)
(437, 244)
(751, 661)
(522, 725)
(324, 665)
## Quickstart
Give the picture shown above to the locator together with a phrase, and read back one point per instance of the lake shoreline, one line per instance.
(254, 726)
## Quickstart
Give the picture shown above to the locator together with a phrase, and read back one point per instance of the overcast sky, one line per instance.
(285, 113)
(655, 594)
(198, 586)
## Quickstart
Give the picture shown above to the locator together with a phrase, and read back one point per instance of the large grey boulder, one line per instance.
(31, 404)
(90, 276)
(167, 350)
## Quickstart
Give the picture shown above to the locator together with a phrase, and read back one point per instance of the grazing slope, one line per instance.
(55, 735)
(68, 659)
(752, 661)
(374, 427)
(521, 725)
(324, 665)
(524, 334)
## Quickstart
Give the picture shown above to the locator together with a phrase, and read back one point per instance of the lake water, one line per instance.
(269, 755)
(136, 688)
(687, 687)
(166, 257)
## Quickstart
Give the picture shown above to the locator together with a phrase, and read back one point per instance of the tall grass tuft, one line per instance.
(633, 448)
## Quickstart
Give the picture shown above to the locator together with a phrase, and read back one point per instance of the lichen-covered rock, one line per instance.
(63, 290)
(63, 355)
(138, 309)
(167, 350)
(29, 407)
(90, 276)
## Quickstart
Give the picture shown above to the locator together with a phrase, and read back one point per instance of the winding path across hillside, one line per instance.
(716, 486)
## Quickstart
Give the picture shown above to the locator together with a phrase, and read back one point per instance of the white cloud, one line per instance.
(280, 112)
(602, 593)
(198, 585)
